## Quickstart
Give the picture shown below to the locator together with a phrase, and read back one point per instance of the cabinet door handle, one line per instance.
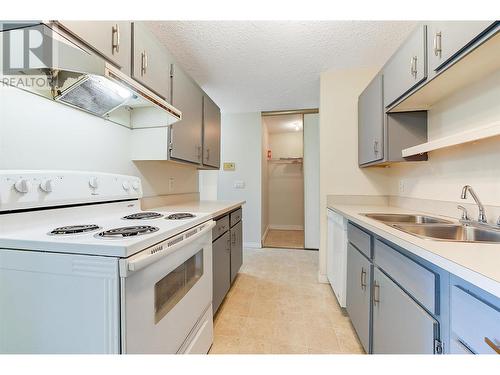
(363, 278)
(198, 155)
(375, 147)
(115, 39)
(144, 63)
(376, 293)
(437, 44)
(413, 67)
(208, 154)
(492, 345)
(233, 238)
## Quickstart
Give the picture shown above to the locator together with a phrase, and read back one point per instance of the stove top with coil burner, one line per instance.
(143, 216)
(180, 216)
(124, 232)
(74, 229)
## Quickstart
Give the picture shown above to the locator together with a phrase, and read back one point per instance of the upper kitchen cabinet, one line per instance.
(186, 135)
(446, 39)
(211, 133)
(150, 60)
(407, 67)
(382, 137)
(371, 122)
(111, 39)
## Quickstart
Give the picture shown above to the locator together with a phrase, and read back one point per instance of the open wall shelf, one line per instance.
(485, 131)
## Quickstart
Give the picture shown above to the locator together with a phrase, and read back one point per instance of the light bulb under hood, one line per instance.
(95, 94)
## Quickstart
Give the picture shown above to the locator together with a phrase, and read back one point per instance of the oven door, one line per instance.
(165, 291)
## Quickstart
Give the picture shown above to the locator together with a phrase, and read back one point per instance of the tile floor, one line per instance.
(289, 239)
(276, 306)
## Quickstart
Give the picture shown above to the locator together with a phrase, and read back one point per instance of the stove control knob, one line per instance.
(136, 185)
(47, 185)
(126, 186)
(94, 182)
(22, 186)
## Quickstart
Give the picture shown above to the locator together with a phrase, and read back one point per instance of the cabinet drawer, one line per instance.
(236, 217)
(360, 239)
(221, 227)
(415, 279)
(474, 321)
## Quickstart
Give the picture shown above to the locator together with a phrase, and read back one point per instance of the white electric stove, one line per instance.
(84, 270)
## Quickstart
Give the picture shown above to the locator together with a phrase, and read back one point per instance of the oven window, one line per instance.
(174, 286)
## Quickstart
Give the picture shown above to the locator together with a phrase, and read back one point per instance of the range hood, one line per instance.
(61, 70)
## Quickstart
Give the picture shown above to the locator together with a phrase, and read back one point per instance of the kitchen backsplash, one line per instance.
(447, 170)
(36, 133)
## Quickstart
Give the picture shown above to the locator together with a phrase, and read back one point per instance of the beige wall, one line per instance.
(36, 133)
(265, 183)
(286, 182)
(447, 170)
(339, 172)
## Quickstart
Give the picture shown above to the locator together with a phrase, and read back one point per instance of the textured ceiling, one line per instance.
(273, 65)
(283, 123)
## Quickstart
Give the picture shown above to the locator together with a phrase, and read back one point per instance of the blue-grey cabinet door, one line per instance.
(358, 294)
(150, 60)
(407, 67)
(186, 134)
(211, 133)
(236, 249)
(221, 266)
(371, 122)
(447, 38)
(400, 325)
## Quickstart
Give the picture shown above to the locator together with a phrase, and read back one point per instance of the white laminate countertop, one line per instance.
(213, 208)
(477, 263)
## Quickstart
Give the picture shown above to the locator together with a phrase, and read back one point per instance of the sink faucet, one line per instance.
(482, 214)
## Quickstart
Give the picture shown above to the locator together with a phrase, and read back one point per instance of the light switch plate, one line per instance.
(239, 184)
(229, 166)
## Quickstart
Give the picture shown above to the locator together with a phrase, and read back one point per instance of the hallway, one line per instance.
(276, 306)
(287, 239)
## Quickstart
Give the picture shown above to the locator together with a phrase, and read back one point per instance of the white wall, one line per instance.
(339, 172)
(36, 133)
(311, 181)
(241, 144)
(447, 170)
(286, 182)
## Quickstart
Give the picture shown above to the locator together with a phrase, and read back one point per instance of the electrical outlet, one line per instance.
(402, 186)
(171, 184)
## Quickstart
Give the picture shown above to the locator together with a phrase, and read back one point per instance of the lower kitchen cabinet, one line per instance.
(221, 269)
(227, 254)
(359, 269)
(236, 249)
(475, 319)
(400, 325)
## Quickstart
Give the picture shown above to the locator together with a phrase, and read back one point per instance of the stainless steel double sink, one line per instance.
(433, 228)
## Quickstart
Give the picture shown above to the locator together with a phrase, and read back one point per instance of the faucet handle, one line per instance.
(465, 215)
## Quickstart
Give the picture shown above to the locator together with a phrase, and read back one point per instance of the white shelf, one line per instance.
(486, 131)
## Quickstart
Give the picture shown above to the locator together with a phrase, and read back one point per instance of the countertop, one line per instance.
(478, 263)
(213, 208)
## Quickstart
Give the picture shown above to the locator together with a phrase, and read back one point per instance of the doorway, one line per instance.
(286, 204)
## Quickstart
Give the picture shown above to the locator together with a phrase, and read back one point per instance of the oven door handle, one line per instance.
(145, 258)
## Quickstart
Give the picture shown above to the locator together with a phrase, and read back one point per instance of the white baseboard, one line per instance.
(323, 279)
(252, 245)
(286, 227)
